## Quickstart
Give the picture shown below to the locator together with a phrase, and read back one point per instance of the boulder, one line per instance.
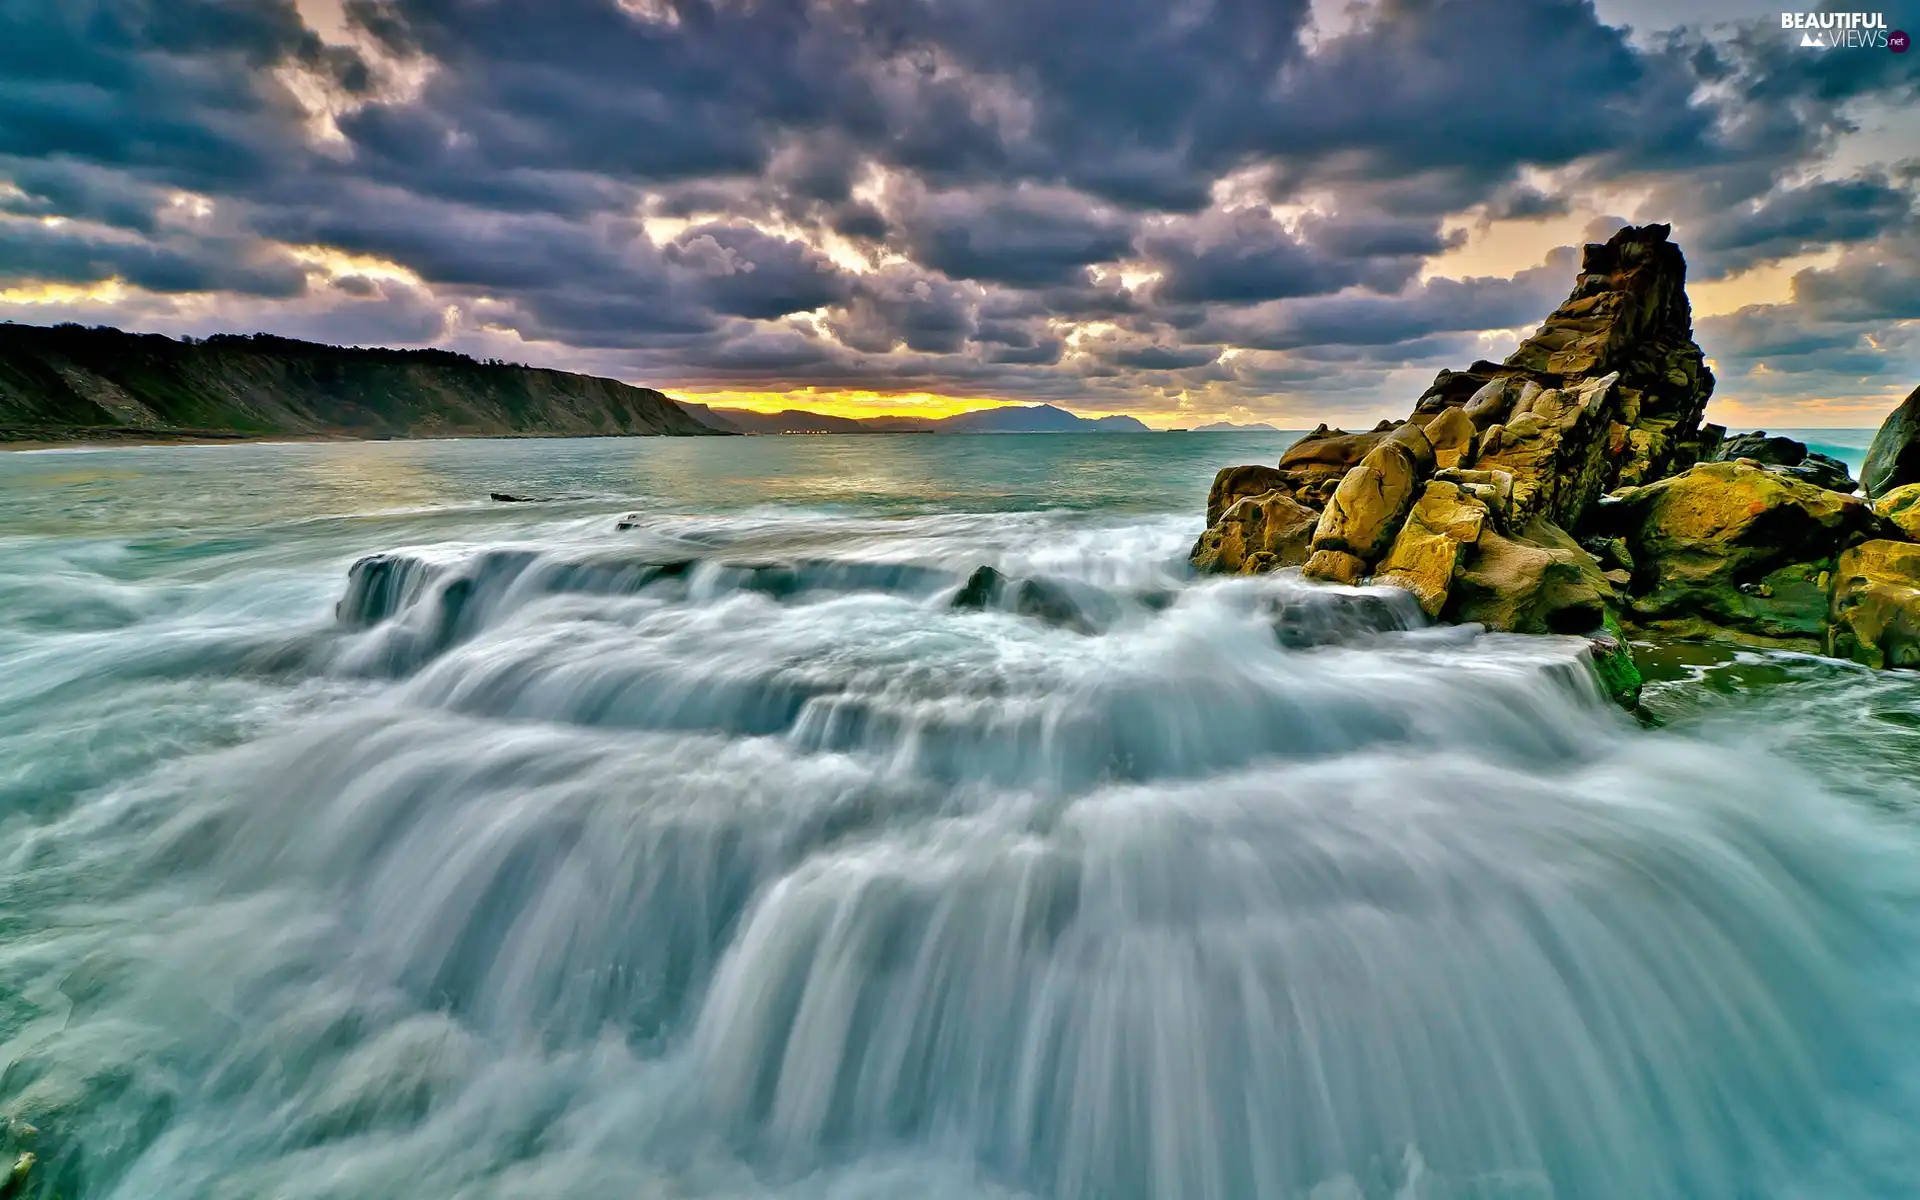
(1767, 451)
(1734, 547)
(1366, 509)
(1444, 524)
(1536, 581)
(1788, 457)
(1874, 617)
(1894, 457)
(1901, 507)
(1317, 462)
(1820, 470)
(1453, 437)
(1490, 405)
(1256, 534)
(1335, 566)
(1236, 483)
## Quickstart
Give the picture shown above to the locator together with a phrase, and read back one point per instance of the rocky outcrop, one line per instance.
(1893, 460)
(1576, 488)
(1609, 391)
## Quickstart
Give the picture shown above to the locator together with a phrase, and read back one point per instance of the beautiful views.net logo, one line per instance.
(1845, 31)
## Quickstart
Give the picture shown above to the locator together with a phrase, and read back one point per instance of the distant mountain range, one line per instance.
(1032, 418)
(1230, 427)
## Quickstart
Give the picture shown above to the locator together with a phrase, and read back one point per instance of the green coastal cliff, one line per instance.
(69, 382)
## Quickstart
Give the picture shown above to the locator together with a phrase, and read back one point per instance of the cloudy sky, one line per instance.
(1187, 210)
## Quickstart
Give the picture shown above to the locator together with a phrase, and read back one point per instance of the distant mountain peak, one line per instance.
(1006, 418)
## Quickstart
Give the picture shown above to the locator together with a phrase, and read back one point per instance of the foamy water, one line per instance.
(721, 854)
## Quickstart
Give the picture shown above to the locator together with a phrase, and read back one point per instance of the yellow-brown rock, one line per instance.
(1453, 437)
(1235, 483)
(1256, 534)
(1335, 566)
(1445, 522)
(1901, 506)
(1537, 581)
(1874, 616)
(1372, 499)
(1735, 547)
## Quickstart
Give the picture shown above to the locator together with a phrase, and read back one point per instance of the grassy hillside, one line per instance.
(73, 382)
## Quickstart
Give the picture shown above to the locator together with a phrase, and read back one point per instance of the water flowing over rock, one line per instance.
(1576, 485)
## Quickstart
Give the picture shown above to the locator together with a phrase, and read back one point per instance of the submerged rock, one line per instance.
(1613, 665)
(19, 1177)
(1041, 599)
(509, 498)
(982, 590)
(1894, 457)
(1875, 613)
(1330, 618)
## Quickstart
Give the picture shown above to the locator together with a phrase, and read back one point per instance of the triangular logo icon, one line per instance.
(1807, 39)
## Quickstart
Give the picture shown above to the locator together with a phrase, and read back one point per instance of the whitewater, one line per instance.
(695, 831)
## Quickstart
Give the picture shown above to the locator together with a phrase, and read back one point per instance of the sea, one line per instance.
(709, 825)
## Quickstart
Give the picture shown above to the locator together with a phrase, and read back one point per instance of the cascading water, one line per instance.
(560, 855)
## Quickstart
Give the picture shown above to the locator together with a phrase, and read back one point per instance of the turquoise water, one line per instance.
(678, 836)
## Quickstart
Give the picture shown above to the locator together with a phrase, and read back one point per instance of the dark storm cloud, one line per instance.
(904, 306)
(1028, 238)
(72, 254)
(173, 90)
(1020, 158)
(1438, 306)
(1238, 257)
(1799, 219)
(742, 272)
(1876, 283)
(1164, 358)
